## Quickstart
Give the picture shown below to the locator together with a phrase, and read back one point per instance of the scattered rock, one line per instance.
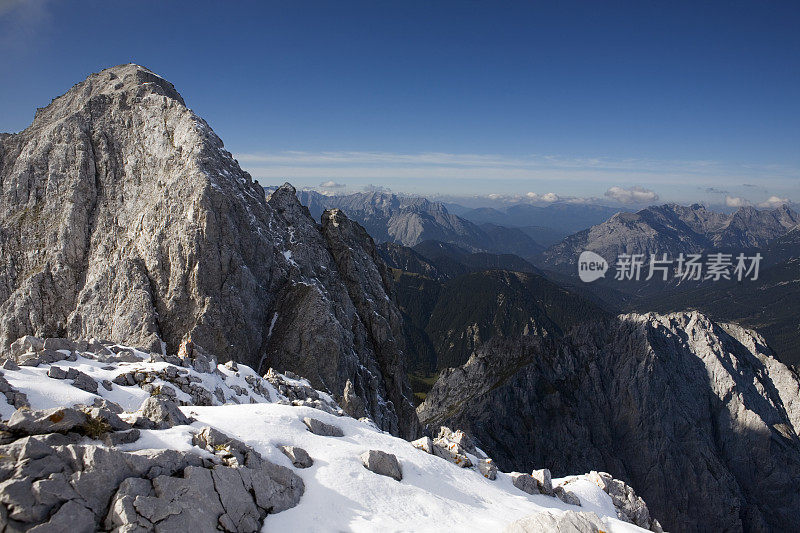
(382, 463)
(487, 468)
(525, 482)
(39, 422)
(425, 444)
(162, 413)
(56, 344)
(9, 364)
(458, 437)
(317, 427)
(298, 456)
(85, 382)
(117, 438)
(56, 372)
(630, 507)
(566, 496)
(110, 417)
(26, 344)
(451, 451)
(544, 480)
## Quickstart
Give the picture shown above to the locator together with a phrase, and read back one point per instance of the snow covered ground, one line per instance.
(340, 493)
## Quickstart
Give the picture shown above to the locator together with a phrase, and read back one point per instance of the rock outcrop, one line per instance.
(52, 482)
(698, 417)
(382, 463)
(123, 217)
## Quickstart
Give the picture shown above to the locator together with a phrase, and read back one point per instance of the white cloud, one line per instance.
(774, 201)
(632, 195)
(330, 184)
(736, 201)
(550, 197)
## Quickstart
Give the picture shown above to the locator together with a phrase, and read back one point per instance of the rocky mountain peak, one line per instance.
(123, 217)
(128, 81)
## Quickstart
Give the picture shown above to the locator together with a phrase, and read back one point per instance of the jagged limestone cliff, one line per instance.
(697, 416)
(123, 217)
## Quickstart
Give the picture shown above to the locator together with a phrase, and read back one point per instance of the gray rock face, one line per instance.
(385, 464)
(697, 416)
(122, 216)
(318, 427)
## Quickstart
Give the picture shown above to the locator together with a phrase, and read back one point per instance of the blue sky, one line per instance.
(608, 101)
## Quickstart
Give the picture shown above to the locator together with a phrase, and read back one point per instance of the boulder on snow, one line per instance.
(109, 417)
(118, 438)
(298, 456)
(544, 480)
(229, 451)
(84, 382)
(9, 364)
(161, 413)
(488, 469)
(458, 437)
(26, 344)
(571, 521)
(630, 507)
(40, 422)
(525, 482)
(566, 496)
(451, 451)
(382, 463)
(56, 372)
(425, 444)
(317, 427)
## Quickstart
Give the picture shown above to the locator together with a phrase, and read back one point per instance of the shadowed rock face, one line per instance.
(697, 417)
(122, 216)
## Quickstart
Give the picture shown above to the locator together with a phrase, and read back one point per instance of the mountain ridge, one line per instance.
(122, 216)
(699, 416)
(672, 229)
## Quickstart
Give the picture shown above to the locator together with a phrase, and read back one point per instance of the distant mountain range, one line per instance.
(410, 220)
(672, 229)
